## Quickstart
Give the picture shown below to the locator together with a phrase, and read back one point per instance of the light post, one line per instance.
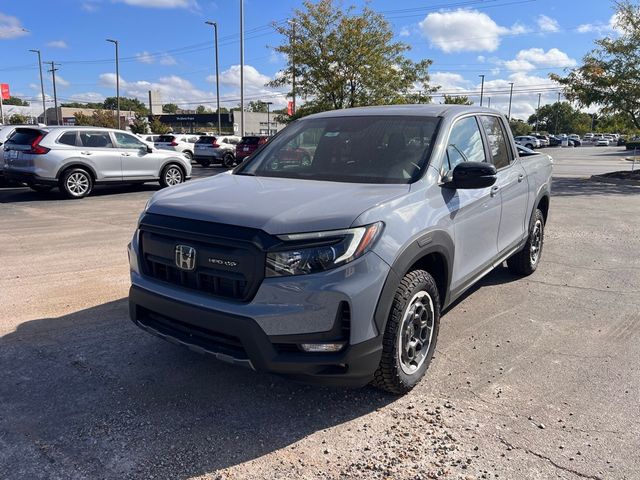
(293, 67)
(510, 98)
(44, 105)
(481, 88)
(55, 94)
(116, 43)
(538, 112)
(215, 36)
(242, 68)
(268, 118)
(555, 130)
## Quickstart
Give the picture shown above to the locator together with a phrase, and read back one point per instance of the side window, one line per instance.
(95, 139)
(500, 151)
(465, 143)
(68, 138)
(127, 141)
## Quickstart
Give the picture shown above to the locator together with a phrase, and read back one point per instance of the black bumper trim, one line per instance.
(354, 366)
(29, 178)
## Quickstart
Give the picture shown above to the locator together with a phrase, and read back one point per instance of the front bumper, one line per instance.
(240, 340)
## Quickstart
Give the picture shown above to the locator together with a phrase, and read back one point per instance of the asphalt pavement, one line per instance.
(533, 378)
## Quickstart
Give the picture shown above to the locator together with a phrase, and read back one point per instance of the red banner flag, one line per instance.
(5, 91)
(290, 108)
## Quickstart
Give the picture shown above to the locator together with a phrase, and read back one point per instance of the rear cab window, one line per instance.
(68, 138)
(165, 139)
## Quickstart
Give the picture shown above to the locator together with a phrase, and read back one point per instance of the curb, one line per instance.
(615, 181)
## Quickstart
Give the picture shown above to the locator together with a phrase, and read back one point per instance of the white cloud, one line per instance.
(61, 82)
(548, 24)
(465, 30)
(11, 27)
(450, 82)
(89, 6)
(254, 85)
(144, 57)
(149, 58)
(531, 58)
(85, 97)
(404, 32)
(162, 3)
(600, 27)
(57, 44)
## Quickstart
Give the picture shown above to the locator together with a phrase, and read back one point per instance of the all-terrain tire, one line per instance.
(526, 261)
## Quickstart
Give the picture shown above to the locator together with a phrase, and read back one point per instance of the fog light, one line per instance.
(322, 347)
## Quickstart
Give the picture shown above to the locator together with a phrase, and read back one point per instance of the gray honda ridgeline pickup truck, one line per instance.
(329, 254)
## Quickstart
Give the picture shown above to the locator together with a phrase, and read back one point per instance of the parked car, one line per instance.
(248, 145)
(632, 144)
(211, 149)
(525, 152)
(528, 141)
(602, 142)
(148, 138)
(574, 142)
(178, 143)
(337, 270)
(554, 141)
(543, 139)
(74, 159)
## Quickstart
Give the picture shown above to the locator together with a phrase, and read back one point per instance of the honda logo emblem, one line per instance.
(185, 257)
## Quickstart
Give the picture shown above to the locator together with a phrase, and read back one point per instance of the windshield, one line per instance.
(361, 149)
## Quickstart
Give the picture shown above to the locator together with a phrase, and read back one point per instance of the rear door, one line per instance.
(475, 212)
(512, 183)
(137, 162)
(98, 149)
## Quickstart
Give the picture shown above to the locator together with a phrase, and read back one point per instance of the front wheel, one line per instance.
(526, 261)
(410, 335)
(76, 183)
(228, 160)
(528, 145)
(171, 175)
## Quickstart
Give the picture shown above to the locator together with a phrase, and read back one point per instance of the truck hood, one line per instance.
(274, 205)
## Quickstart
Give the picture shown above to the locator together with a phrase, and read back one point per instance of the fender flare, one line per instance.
(76, 163)
(435, 241)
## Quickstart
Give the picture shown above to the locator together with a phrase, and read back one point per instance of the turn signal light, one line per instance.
(322, 347)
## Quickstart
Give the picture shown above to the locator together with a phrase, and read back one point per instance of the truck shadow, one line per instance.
(571, 187)
(88, 395)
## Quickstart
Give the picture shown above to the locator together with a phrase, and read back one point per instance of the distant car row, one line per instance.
(538, 140)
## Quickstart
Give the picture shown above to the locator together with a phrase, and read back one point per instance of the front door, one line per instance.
(475, 212)
(511, 184)
(137, 162)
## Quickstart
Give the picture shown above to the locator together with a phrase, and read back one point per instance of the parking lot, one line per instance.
(533, 378)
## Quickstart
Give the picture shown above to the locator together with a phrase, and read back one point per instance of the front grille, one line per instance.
(192, 334)
(229, 261)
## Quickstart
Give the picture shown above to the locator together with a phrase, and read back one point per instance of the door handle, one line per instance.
(520, 177)
(494, 190)
(125, 154)
(86, 153)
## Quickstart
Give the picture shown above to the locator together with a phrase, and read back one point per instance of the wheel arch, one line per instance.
(76, 164)
(173, 161)
(432, 252)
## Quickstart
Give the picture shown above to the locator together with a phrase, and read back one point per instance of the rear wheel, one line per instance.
(528, 145)
(188, 154)
(526, 261)
(171, 175)
(76, 183)
(410, 335)
(228, 160)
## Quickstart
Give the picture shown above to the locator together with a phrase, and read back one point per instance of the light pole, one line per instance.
(44, 105)
(538, 112)
(55, 94)
(555, 130)
(242, 68)
(268, 118)
(116, 43)
(510, 98)
(489, 106)
(293, 66)
(215, 37)
(481, 88)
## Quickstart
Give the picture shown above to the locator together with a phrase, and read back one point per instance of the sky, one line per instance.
(166, 46)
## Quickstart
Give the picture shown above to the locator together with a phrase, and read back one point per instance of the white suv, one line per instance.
(216, 149)
(178, 143)
(528, 141)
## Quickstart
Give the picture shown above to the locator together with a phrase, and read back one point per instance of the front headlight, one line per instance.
(319, 251)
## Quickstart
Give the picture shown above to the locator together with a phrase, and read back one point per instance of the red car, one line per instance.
(248, 145)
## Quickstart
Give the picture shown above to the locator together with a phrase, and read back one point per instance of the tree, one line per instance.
(158, 127)
(140, 124)
(457, 100)
(201, 109)
(15, 101)
(222, 110)
(18, 119)
(519, 127)
(133, 104)
(99, 118)
(610, 74)
(92, 105)
(257, 106)
(567, 118)
(346, 59)
(170, 108)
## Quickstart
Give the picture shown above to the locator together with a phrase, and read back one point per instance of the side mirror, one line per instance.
(469, 175)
